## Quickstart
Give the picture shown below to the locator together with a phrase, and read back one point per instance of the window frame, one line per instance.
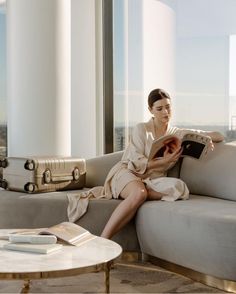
(107, 11)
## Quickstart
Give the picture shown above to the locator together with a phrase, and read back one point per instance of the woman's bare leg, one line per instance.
(154, 195)
(134, 194)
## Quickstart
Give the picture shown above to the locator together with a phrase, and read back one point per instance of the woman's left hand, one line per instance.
(210, 145)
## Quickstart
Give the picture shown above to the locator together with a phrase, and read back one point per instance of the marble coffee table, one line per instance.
(95, 255)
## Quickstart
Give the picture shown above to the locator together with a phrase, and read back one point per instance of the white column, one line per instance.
(159, 35)
(38, 62)
(84, 85)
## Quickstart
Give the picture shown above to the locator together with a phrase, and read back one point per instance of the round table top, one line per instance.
(70, 260)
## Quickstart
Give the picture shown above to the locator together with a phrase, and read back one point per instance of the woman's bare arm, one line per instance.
(215, 136)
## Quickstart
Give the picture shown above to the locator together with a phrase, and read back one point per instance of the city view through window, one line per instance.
(188, 48)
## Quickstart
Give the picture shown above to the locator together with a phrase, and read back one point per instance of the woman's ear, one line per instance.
(150, 109)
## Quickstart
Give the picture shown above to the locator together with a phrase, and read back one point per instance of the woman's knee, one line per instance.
(135, 191)
(140, 195)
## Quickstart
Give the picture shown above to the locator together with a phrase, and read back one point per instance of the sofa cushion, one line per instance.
(175, 170)
(96, 217)
(198, 233)
(98, 168)
(213, 175)
(21, 210)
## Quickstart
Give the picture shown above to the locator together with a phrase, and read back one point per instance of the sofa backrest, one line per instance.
(98, 168)
(213, 175)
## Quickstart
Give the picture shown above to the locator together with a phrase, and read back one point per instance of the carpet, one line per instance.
(125, 277)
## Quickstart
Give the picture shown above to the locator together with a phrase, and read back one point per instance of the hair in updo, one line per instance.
(157, 94)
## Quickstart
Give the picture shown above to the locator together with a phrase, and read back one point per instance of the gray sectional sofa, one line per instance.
(198, 235)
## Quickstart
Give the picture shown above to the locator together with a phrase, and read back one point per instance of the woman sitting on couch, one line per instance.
(126, 179)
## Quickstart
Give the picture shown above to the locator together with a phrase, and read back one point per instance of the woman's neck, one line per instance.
(160, 129)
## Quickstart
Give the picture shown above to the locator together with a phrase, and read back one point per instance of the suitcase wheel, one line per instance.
(47, 176)
(3, 184)
(30, 187)
(3, 163)
(29, 165)
(76, 174)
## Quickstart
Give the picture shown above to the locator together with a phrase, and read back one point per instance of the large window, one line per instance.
(186, 47)
(3, 110)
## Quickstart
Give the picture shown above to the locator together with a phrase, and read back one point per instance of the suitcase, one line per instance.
(42, 174)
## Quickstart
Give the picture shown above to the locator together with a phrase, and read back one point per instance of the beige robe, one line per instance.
(131, 167)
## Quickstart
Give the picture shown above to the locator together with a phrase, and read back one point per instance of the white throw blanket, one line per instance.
(78, 202)
(173, 188)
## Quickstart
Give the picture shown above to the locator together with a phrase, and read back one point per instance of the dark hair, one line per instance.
(157, 94)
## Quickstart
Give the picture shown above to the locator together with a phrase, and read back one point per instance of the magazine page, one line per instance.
(159, 145)
(68, 232)
(194, 145)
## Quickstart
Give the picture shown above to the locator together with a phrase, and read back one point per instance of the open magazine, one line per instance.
(193, 145)
(65, 231)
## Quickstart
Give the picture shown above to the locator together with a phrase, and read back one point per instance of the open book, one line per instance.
(193, 144)
(65, 231)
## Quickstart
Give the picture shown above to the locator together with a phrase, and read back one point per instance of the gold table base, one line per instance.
(106, 267)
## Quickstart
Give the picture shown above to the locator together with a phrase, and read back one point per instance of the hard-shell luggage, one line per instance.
(42, 174)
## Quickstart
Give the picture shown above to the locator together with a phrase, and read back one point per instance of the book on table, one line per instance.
(34, 248)
(68, 232)
(193, 145)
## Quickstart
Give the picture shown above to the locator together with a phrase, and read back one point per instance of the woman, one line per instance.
(125, 179)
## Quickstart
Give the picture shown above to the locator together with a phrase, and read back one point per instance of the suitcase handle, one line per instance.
(49, 178)
(58, 178)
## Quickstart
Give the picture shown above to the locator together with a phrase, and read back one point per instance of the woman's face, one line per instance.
(161, 109)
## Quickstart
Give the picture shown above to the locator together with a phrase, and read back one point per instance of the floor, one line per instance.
(126, 277)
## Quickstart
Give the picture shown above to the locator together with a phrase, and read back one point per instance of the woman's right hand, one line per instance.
(168, 160)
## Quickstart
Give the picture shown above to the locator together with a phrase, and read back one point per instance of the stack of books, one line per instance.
(45, 241)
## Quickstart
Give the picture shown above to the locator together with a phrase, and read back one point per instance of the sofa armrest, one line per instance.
(213, 175)
(98, 168)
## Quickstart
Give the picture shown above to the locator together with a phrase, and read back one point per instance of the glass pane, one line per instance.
(186, 47)
(3, 109)
(232, 88)
(203, 62)
(128, 89)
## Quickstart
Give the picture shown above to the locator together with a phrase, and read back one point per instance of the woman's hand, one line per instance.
(168, 160)
(210, 145)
